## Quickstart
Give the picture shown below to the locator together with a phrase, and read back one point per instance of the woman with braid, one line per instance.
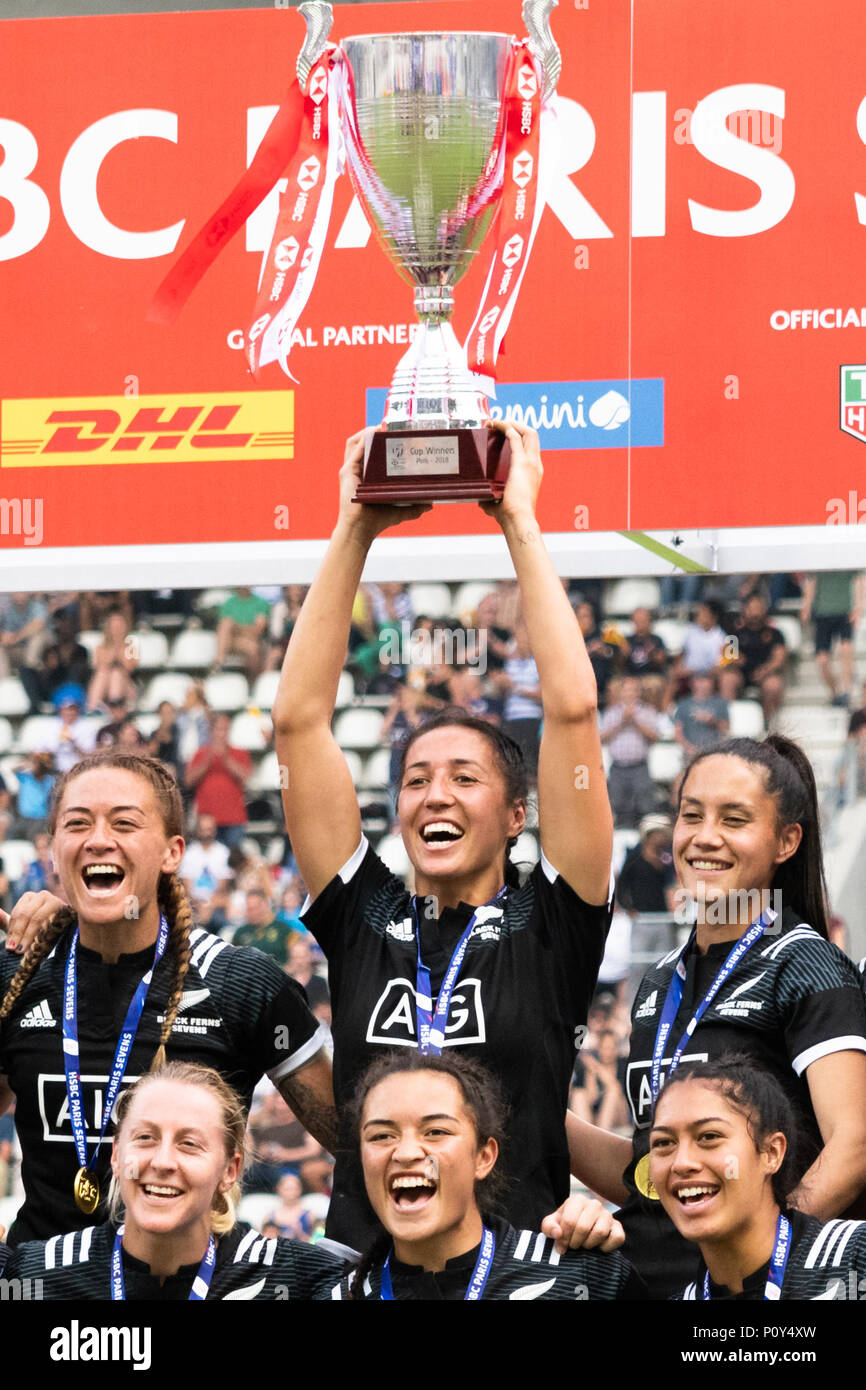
(118, 980)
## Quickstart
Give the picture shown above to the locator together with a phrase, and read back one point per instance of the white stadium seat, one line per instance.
(623, 841)
(169, 685)
(392, 852)
(6, 735)
(623, 596)
(13, 696)
(747, 719)
(359, 728)
(265, 775)
(149, 648)
(671, 632)
(355, 764)
(8, 770)
(468, 597)
(377, 771)
(790, 629)
(345, 690)
(146, 724)
(212, 598)
(16, 855)
(430, 600)
(37, 732)
(249, 731)
(193, 650)
(665, 761)
(91, 640)
(265, 690)
(227, 691)
(813, 723)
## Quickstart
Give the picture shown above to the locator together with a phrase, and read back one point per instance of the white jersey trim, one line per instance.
(346, 873)
(305, 1054)
(852, 1043)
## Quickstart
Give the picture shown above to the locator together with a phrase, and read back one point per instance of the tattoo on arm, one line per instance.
(315, 1112)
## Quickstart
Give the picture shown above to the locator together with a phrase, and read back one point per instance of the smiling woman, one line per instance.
(110, 982)
(176, 1163)
(474, 958)
(429, 1130)
(757, 975)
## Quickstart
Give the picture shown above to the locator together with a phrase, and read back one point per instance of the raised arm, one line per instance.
(321, 808)
(574, 815)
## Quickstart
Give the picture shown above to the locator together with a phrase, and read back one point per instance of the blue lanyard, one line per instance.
(71, 1063)
(675, 994)
(778, 1260)
(200, 1284)
(480, 1273)
(433, 1022)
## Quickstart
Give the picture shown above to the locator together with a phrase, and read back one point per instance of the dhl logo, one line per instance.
(189, 428)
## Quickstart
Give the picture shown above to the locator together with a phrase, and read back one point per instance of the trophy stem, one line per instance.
(434, 303)
(432, 387)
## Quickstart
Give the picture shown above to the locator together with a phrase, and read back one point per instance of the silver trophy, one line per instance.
(422, 117)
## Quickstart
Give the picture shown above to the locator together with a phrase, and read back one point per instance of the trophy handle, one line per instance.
(536, 17)
(318, 17)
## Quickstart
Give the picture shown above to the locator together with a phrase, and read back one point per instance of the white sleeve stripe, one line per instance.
(205, 940)
(244, 1246)
(822, 1236)
(320, 1039)
(336, 1292)
(86, 1238)
(840, 1248)
(68, 1247)
(270, 1252)
(211, 956)
(841, 1228)
(522, 1245)
(51, 1251)
(833, 1245)
(554, 1257)
(854, 1042)
(257, 1250)
(788, 939)
(538, 1249)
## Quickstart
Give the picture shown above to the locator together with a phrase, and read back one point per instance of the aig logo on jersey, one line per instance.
(54, 1106)
(639, 1090)
(393, 1018)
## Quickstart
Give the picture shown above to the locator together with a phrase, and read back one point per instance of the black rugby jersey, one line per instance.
(793, 999)
(248, 1267)
(827, 1260)
(239, 1013)
(525, 1265)
(523, 992)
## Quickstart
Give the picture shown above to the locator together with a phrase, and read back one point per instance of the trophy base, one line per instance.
(459, 465)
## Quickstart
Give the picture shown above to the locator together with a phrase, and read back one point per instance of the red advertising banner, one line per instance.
(690, 336)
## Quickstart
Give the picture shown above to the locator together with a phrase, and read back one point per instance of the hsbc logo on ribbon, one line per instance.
(522, 169)
(307, 257)
(286, 253)
(318, 85)
(527, 84)
(488, 321)
(308, 174)
(512, 251)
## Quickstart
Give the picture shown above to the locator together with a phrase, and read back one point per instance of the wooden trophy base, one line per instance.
(461, 465)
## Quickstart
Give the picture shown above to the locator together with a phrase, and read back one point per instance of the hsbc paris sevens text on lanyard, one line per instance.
(200, 1284)
(86, 1185)
(432, 1023)
(778, 1260)
(480, 1273)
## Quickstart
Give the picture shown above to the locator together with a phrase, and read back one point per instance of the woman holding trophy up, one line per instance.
(474, 958)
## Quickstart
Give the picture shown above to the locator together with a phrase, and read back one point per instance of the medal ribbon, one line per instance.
(292, 263)
(675, 994)
(71, 1063)
(480, 1273)
(431, 1023)
(778, 1260)
(519, 211)
(200, 1284)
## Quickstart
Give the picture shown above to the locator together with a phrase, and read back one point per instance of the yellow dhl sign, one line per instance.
(189, 428)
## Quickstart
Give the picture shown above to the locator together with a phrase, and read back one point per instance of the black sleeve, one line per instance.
(822, 1004)
(268, 1013)
(311, 1271)
(578, 929)
(335, 918)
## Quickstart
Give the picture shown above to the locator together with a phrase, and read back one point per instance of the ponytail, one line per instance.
(173, 902)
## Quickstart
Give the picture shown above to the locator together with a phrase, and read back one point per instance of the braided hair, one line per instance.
(171, 897)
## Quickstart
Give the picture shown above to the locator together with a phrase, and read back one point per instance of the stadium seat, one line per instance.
(36, 732)
(672, 633)
(6, 735)
(8, 770)
(747, 719)
(91, 640)
(265, 775)
(17, 854)
(265, 690)
(146, 724)
(249, 731)
(13, 696)
(168, 685)
(194, 649)
(212, 599)
(345, 690)
(430, 600)
(790, 629)
(359, 728)
(623, 596)
(813, 723)
(377, 771)
(149, 648)
(227, 691)
(623, 841)
(392, 852)
(468, 597)
(665, 761)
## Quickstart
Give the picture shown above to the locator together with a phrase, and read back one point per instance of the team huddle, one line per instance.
(457, 1010)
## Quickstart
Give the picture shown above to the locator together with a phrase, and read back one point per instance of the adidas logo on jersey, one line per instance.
(648, 1007)
(39, 1017)
(401, 931)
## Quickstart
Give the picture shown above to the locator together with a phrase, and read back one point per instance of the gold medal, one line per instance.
(86, 1191)
(642, 1180)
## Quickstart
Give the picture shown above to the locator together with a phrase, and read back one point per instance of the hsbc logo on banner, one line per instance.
(512, 251)
(308, 174)
(307, 257)
(521, 170)
(488, 321)
(392, 1021)
(318, 85)
(852, 401)
(527, 84)
(286, 253)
